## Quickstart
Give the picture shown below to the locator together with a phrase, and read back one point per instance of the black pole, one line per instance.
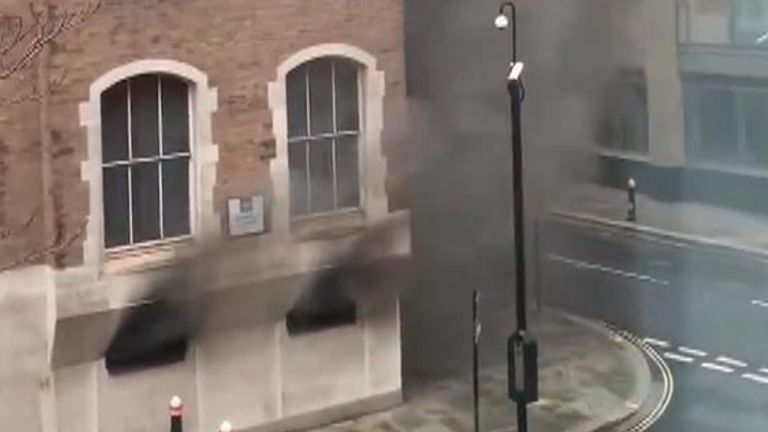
(176, 425)
(522, 350)
(476, 357)
(515, 92)
(537, 264)
(522, 417)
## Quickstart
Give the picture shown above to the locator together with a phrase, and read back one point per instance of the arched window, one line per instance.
(327, 103)
(324, 128)
(146, 154)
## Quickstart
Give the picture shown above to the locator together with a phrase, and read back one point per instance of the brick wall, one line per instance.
(20, 186)
(237, 43)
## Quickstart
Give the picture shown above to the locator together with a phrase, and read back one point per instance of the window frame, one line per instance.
(131, 161)
(693, 90)
(628, 80)
(359, 134)
(205, 215)
(374, 206)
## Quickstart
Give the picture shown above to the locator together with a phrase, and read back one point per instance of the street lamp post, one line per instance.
(521, 348)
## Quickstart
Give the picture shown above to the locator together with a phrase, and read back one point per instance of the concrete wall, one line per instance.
(25, 342)
(247, 370)
(243, 365)
(255, 375)
(225, 360)
(665, 97)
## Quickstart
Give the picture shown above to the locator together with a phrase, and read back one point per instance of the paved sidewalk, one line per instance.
(707, 222)
(588, 379)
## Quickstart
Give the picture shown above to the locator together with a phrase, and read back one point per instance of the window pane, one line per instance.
(756, 124)
(296, 86)
(176, 197)
(321, 175)
(175, 98)
(114, 123)
(346, 96)
(750, 21)
(144, 116)
(320, 97)
(146, 207)
(347, 172)
(719, 136)
(115, 194)
(297, 164)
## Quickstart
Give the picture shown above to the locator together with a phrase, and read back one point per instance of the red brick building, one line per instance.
(256, 125)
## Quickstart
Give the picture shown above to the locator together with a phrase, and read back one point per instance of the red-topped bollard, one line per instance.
(175, 410)
(225, 426)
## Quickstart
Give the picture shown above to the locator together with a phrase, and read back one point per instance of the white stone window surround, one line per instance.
(205, 223)
(372, 164)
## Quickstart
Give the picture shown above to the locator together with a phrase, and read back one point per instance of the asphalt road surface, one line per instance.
(705, 311)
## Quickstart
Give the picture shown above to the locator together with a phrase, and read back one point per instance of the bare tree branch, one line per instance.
(21, 42)
(33, 94)
(11, 33)
(55, 248)
(9, 232)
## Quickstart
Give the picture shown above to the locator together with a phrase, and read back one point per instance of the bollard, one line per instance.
(225, 426)
(631, 201)
(175, 410)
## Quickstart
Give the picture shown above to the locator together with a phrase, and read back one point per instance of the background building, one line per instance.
(251, 134)
(694, 130)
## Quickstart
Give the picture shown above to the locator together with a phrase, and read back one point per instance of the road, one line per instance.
(705, 311)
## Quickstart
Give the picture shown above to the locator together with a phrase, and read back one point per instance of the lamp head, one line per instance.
(175, 402)
(501, 22)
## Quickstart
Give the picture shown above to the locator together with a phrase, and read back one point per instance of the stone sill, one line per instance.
(623, 154)
(149, 256)
(328, 226)
(724, 48)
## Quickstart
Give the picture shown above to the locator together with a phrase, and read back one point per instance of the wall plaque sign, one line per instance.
(246, 215)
